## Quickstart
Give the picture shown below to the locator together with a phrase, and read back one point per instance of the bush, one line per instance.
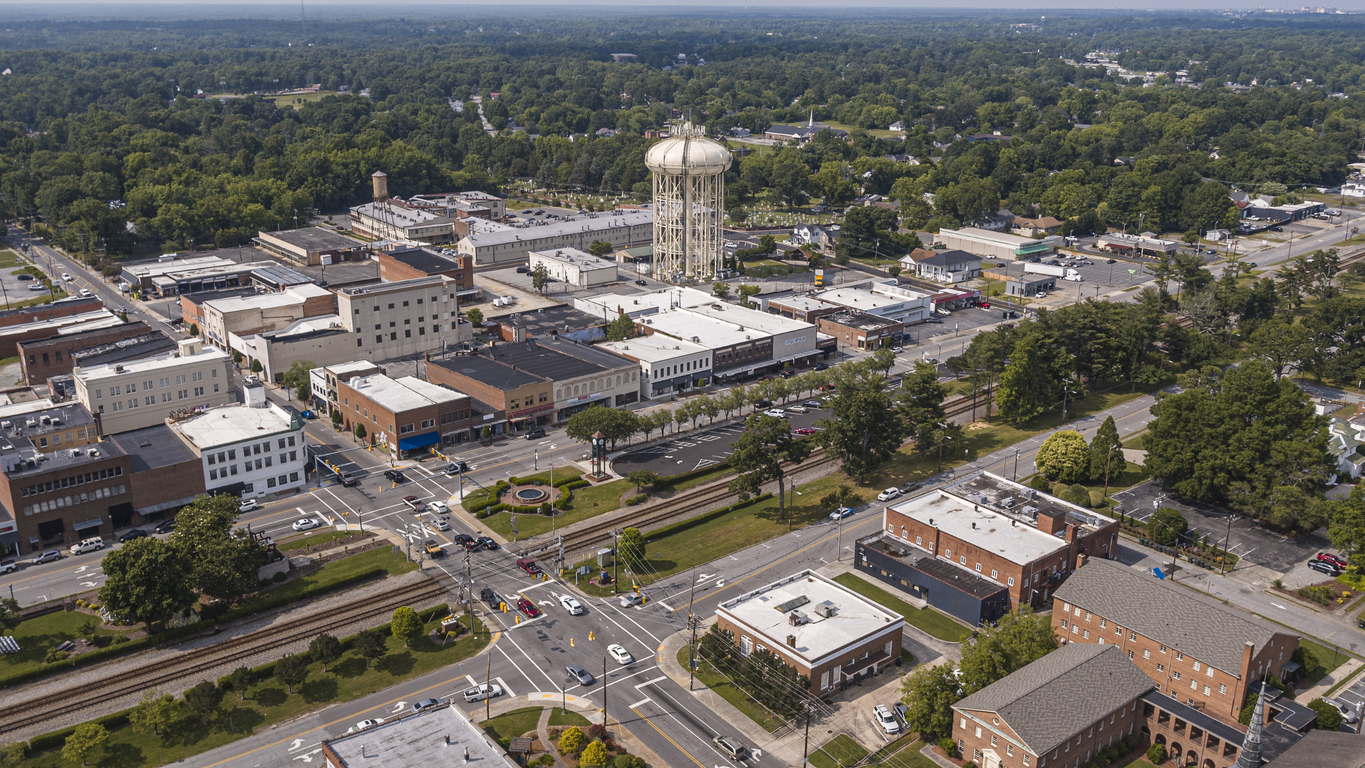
(1040, 483)
(279, 577)
(969, 764)
(1059, 490)
(1329, 717)
(572, 741)
(637, 499)
(948, 746)
(1078, 495)
(1096, 499)
(1156, 754)
(55, 655)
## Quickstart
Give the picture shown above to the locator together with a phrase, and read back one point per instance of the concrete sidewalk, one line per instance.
(1332, 678)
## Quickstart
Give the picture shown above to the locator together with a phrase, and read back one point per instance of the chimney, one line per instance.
(1051, 521)
(1070, 533)
(1080, 560)
(791, 640)
(1248, 648)
(381, 186)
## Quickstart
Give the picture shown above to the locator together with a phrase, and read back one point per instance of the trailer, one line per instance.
(1056, 270)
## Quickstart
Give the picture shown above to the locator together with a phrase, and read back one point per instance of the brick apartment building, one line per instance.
(1195, 649)
(424, 262)
(408, 415)
(1004, 532)
(40, 359)
(525, 399)
(825, 631)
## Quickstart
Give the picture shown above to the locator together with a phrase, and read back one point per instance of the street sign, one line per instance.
(1132, 271)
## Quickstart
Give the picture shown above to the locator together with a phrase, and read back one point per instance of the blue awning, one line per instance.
(418, 441)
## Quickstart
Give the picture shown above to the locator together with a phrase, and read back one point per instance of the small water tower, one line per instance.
(381, 186)
(689, 190)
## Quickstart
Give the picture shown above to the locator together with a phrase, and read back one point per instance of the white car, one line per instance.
(888, 494)
(87, 545)
(365, 725)
(776, 413)
(886, 719)
(248, 505)
(571, 604)
(438, 508)
(440, 525)
(85, 293)
(483, 691)
(840, 513)
(1040, 295)
(307, 524)
(619, 653)
(67, 278)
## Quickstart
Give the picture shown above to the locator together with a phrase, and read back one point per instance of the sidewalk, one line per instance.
(1332, 678)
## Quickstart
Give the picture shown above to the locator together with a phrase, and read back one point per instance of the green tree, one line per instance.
(622, 328)
(1106, 453)
(297, 379)
(1329, 717)
(155, 713)
(1282, 344)
(12, 754)
(224, 563)
(406, 625)
(571, 740)
(1031, 383)
(10, 616)
(857, 430)
(1346, 524)
(600, 248)
(631, 549)
(292, 670)
(1167, 526)
(86, 740)
(241, 679)
(642, 477)
(721, 290)
(615, 424)
(758, 454)
(256, 366)
(540, 277)
(1064, 456)
(929, 694)
(920, 404)
(325, 649)
(194, 329)
(474, 315)
(1018, 639)
(203, 699)
(594, 756)
(360, 432)
(370, 643)
(147, 580)
(747, 292)
(842, 496)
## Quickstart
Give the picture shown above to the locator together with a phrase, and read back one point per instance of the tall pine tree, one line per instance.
(1106, 453)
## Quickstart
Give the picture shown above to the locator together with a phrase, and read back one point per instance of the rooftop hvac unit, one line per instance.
(978, 498)
(94, 454)
(1030, 493)
(1007, 502)
(30, 423)
(825, 609)
(6, 424)
(1031, 511)
(45, 419)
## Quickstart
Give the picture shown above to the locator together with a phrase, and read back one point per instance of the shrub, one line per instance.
(969, 764)
(1096, 499)
(627, 761)
(1059, 490)
(637, 499)
(1156, 754)
(597, 731)
(1078, 495)
(571, 741)
(279, 577)
(1039, 483)
(55, 655)
(1329, 717)
(948, 746)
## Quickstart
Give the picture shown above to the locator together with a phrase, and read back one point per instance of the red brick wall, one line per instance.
(41, 359)
(392, 270)
(974, 730)
(854, 652)
(528, 396)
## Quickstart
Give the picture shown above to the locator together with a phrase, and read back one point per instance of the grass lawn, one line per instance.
(317, 538)
(927, 619)
(504, 728)
(727, 690)
(702, 478)
(298, 100)
(587, 502)
(39, 635)
(1141, 762)
(563, 718)
(1323, 658)
(269, 702)
(335, 573)
(839, 751)
(1137, 442)
(906, 756)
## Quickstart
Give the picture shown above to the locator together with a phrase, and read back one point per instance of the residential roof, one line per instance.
(1162, 611)
(950, 257)
(767, 610)
(1324, 749)
(153, 447)
(1027, 699)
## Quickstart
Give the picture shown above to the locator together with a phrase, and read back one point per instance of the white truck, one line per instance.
(1057, 270)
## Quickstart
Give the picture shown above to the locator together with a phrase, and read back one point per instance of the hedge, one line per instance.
(56, 739)
(666, 483)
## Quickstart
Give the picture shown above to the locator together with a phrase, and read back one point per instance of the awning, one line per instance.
(88, 524)
(165, 505)
(419, 441)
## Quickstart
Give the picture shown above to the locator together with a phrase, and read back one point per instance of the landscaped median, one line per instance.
(229, 711)
(577, 500)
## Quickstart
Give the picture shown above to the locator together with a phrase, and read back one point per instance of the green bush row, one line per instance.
(638, 498)
(56, 739)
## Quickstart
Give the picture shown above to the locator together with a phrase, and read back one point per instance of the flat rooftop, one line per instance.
(590, 223)
(203, 297)
(424, 260)
(207, 354)
(860, 320)
(399, 395)
(153, 447)
(557, 360)
(355, 366)
(314, 239)
(751, 319)
(575, 257)
(279, 276)
(398, 286)
(65, 326)
(1002, 238)
(861, 300)
(1020, 501)
(961, 578)
(16, 452)
(236, 423)
(44, 421)
(307, 325)
(803, 303)
(768, 608)
(146, 345)
(144, 269)
(400, 215)
(653, 349)
(434, 737)
(488, 371)
(985, 528)
(294, 294)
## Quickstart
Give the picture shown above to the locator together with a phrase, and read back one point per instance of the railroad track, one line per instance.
(77, 698)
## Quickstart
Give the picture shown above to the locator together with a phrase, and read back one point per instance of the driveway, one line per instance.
(1248, 540)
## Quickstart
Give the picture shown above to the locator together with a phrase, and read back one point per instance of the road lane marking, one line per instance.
(651, 682)
(666, 736)
(640, 703)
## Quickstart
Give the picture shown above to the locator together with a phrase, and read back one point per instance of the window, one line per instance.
(964, 724)
(993, 574)
(1161, 667)
(1065, 625)
(180, 379)
(1161, 648)
(1132, 636)
(978, 567)
(1086, 634)
(1130, 655)
(1175, 675)
(99, 394)
(1025, 759)
(165, 382)
(215, 375)
(1208, 671)
(1196, 666)
(1011, 581)
(746, 646)
(1179, 656)
(115, 391)
(962, 560)
(1009, 750)
(198, 391)
(978, 732)
(1087, 615)
(213, 474)
(1222, 689)
(919, 540)
(1103, 623)
(198, 375)
(992, 739)
(1194, 685)
(1146, 653)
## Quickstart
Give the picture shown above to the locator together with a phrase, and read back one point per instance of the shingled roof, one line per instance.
(1176, 617)
(1027, 700)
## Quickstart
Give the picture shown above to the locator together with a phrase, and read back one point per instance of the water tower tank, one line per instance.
(689, 191)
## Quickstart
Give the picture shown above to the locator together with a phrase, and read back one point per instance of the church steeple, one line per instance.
(1250, 756)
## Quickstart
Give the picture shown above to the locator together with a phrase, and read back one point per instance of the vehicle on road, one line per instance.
(820, 367)
(87, 545)
(456, 467)
(527, 607)
(426, 704)
(1322, 566)
(888, 494)
(136, 533)
(48, 556)
(840, 513)
(571, 604)
(487, 543)
(934, 320)
(1336, 560)
(898, 349)
(776, 413)
(911, 486)
(619, 653)
(413, 503)
(765, 403)
(523, 270)
(1111, 261)
(165, 526)
(535, 434)
(580, 674)
(365, 725)
(438, 507)
(309, 415)
(440, 524)
(433, 548)
(631, 598)
(490, 598)
(930, 360)
(483, 691)
(395, 476)
(529, 566)
(348, 480)
(464, 540)
(85, 293)
(803, 431)
(730, 748)
(67, 278)
(248, 505)
(886, 719)
(9, 567)
(307, 524)
(37, 287)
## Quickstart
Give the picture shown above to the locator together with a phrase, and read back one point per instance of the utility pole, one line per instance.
(805, 746)
(604, 690)
(1016, 465)
(488, 682)
(1223, 563)
(691, 624)
(615, 559)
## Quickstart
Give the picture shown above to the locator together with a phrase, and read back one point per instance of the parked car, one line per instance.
(490, 598)
(803, 431)
(730, 748)
(1111, 261)
(136, 533)
(765, 403)
(248, 505)
(888, 494)
(813, 404)
(898, 349)
(1040, 295)
(911, 486)
(48, 556)
(797, 408)
(583, 676)
(523, 270)
(426, 704)
(1336, 560)
(885, 719)
(840, 513)
(165, 526)
(67, 278)
(934, 320)
(309, 415)
(37, 287)
(820, 367)
(483, 691)
(776, 413)
(9, 567)
(87, 545)
(641, 282)
(571, 604)
(529, 566)
(1348, 715)
(307, 524)
(535, 434)
(619, 653)
(85, 293)
(527, 607)
(24, 277)
(1323, 566)
(395, 476)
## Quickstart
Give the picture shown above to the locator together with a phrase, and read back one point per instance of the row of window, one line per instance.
(116, 390)
(75, 498)
(422, 331)
(56, 437)
(93, 476)
(434, 299)
(407, 321)
(667, 371)
(962, 559)
(256, 449)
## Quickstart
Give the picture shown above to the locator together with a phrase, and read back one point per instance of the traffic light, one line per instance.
(502, 607)
(591, 636)
(571, 645)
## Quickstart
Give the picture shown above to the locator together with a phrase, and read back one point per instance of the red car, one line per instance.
(529, 566)
(803, 431)
(1336, 560)
(985, 305)
(527, 607)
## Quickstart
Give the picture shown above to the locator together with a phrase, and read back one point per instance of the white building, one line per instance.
(255, 448)
(882, 299)
(389, 220)
(143, 393)
(575, 267)
(994, 245)
(406, 317)
(667, 365)
(262, 312)
(503, 245)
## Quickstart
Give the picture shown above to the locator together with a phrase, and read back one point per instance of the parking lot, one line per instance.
(1248, 540)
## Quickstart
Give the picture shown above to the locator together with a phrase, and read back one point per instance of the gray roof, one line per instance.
(1324, 749)
(154, 447)
(1162, 611)
(1028, 699)
(950, 257)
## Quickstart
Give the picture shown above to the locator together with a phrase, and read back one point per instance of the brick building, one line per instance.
(92, 315)
(165, 472)
(312, 246)
(805, 308)
(42, 358)
(827, 632)
(412, 263)
(860, 330)
(407, 415)
(60, 497)
(1007, 533)
(323, 380)
(1194, 648)
(64, 308)
(522, 398)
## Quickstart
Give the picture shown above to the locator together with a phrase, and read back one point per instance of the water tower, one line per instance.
(689, 193)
